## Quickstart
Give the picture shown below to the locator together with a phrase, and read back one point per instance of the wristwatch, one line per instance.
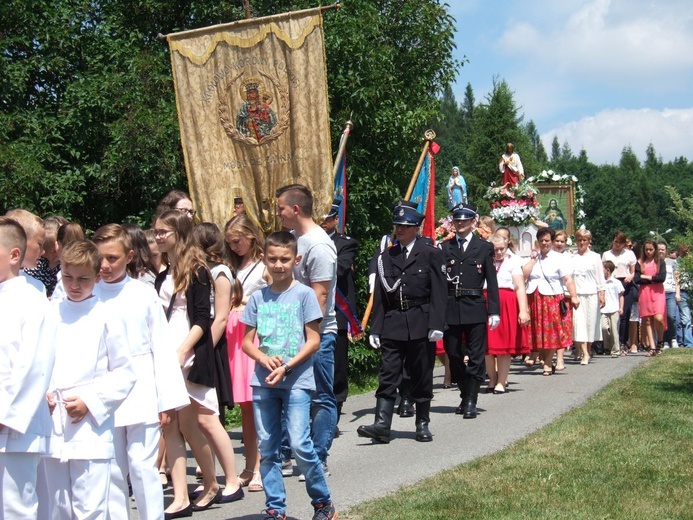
(287, 369)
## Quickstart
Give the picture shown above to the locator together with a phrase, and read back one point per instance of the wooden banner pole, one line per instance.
(429, 136)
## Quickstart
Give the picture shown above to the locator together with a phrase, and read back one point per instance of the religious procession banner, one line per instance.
(253, 111)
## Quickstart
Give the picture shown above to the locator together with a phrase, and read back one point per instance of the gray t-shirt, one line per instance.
(319, 264)
(280, 320)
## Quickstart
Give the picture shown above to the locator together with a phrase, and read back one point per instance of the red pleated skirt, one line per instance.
(506, 339)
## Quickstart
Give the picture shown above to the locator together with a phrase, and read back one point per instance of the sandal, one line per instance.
(256, 483)
(245, 481)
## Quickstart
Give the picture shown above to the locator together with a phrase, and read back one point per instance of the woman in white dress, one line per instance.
(185, 289)
(588, 275)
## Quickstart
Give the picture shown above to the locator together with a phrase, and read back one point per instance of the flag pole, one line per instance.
(429, 136)
(342, 146)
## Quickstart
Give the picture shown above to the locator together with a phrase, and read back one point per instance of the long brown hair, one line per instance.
(243, 226)
(211, 241)
(190, 258)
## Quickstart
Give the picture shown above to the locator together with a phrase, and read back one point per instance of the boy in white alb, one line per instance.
(92, 376)
(612, 310)
(35, 237)
(159, 389)
(24, 377)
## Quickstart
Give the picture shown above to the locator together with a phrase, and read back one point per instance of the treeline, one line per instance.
(631, 196)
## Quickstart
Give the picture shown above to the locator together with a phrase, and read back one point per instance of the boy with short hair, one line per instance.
(613, 308)
(48, 265)
(24, 378)
(35, 237)
(286, 316)
(92, 376)
(159, 388)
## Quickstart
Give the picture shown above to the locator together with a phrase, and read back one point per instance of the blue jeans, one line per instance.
(324, 403)
(268, 405)
(672, 310)
(683, 332)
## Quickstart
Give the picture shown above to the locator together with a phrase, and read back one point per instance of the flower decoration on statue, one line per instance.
(513, 205)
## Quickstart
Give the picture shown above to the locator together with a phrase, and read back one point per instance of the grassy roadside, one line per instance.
(626, 454)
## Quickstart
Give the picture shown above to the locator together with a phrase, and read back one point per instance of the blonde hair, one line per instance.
(12, 235)
(583, 233)
(113, 232)
(30, 223)
(511, 243)
(498, 239)
(190, 258)
(562, 233)
(243, 226)
(488, 221)
(81, 252)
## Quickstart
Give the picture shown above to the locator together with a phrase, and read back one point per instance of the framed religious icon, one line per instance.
(557, 202)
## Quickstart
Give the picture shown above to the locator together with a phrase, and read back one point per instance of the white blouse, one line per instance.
(588, 273)
(623, 261)
(547, 273)
(505, 270)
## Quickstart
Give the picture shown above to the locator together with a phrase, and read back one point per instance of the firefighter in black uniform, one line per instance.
(347, 248)
(468, 264)
(408, 318)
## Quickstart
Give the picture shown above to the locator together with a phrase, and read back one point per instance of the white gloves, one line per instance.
(493, 321)
(374, 340)
(434, 335)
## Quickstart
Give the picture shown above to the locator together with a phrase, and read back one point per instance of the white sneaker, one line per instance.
(326, 472)
(665, 346)
(287, 468)
(674, 344)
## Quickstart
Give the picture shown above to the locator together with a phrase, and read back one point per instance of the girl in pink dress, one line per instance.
(650, 274)
(244, 244)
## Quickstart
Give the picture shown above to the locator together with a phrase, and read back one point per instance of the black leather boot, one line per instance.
(463, 394)
(380, 430)
(472, 390)
(423, 434)
(406, 407)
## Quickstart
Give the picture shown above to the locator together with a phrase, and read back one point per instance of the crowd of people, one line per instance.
(120, 350)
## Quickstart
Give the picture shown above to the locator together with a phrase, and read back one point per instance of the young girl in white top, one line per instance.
(185, 290)
(244, 244)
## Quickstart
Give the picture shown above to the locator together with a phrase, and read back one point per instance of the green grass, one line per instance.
(626, 454)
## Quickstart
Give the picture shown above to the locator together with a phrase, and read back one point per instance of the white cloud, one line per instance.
(628, 43)
(604, 135)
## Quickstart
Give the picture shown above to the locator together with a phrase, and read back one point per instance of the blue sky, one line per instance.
(601, 74)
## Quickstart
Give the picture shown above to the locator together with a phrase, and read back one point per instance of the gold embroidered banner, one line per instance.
(253, 112)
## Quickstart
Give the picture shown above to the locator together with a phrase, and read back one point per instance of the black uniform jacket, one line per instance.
(470, 268)
(347, 248)
(423, 281)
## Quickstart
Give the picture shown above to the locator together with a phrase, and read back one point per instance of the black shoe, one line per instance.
(375, 433)
(470, 411)
(406, 408)
(460, 409)
(182, 513)
(380, 430)
(233, 497)
(471, 387)
(216, 499)
(423, 434)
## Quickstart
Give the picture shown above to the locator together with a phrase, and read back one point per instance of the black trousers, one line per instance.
(341, 366)
(466, 340)
(420, 355)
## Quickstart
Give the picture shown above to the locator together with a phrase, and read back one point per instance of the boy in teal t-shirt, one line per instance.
(286, 317)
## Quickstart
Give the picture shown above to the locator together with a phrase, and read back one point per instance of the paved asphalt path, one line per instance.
(361, 470)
